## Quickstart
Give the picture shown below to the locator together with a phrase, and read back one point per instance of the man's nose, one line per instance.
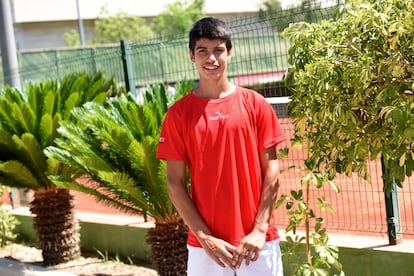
(212, 57)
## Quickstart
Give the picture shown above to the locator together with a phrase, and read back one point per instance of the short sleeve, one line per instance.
(171, 143)
(269, 130)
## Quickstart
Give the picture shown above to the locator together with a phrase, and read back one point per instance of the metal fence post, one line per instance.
(392, 208)
(127, 66)
(94, 65)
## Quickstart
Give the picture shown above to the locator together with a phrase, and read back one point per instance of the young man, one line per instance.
(227, 136)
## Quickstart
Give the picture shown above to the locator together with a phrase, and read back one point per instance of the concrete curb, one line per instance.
(9, 267)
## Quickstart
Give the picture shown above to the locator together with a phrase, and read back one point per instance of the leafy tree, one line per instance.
(272, 9)
(113, 149)
(71, 38)
(306, 10)
(122, 26)
(321, 257)
(8, 223)
(178, 18)
(353, 89)
(28, 124)
(175, 21)
(352, 86)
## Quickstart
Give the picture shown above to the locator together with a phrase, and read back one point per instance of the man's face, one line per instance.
(210, 57)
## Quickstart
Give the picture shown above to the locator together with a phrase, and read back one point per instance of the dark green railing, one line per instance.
(258, 49)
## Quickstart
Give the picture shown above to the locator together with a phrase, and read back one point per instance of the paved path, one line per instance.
(9, 267)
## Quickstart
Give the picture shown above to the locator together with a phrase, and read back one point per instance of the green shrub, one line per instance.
(7, 223)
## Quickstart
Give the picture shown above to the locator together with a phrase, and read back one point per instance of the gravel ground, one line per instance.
(84, 266)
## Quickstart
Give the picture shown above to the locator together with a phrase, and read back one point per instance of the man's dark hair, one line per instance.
(210, 28)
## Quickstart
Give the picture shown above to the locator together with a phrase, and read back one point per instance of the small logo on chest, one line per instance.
(218, 116)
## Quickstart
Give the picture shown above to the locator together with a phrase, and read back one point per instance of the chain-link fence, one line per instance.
(259, 61)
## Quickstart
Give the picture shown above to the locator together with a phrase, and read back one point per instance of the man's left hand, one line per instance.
(249, 248)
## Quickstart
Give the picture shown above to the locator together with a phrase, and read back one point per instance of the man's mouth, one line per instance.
(210, 67)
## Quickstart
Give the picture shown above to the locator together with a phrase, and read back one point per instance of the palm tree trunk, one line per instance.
(168, 240)
(57, 229)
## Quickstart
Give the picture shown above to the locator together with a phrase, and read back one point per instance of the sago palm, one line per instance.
(113, 150)
(28, 124)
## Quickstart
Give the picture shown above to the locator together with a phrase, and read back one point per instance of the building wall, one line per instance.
(45, 35)
(49, 10)
(42, 23)
(38, 35)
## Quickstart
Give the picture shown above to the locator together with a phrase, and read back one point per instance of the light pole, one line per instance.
(80, 25)
(9, 63)
(8, 46)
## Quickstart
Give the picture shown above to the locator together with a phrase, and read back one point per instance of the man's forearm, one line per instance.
(268, 197)
(187, 210)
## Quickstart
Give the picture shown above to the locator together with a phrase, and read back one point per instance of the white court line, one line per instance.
(278, 100)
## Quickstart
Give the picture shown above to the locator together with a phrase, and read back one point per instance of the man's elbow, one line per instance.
(175, 188)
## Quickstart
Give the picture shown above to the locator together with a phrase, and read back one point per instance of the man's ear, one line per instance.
(191, 53)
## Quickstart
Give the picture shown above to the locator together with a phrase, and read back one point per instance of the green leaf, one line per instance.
(297, 195)
(16, 174)
(319, 182)
(334, 186)
(279, 202)
(29, 151)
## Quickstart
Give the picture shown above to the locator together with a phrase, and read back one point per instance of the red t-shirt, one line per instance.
(220, 139)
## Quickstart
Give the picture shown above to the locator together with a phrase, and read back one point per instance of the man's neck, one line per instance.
(214, 89)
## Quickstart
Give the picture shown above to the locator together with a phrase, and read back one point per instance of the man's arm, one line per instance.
(251, 245)
(220, 251)
(270, 172)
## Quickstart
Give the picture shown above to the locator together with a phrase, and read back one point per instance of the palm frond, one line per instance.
(29, 151)
(183, 88)
(78, 154)
(48, 129)
(68, 85)
(115, 145)
(55, 167)
(105, 198)
(29, 121)
(35, 96)
(157, 96)
(128, 110)
(8, 108)
(71, 102)
(81, 140)
(51, 101)
(148, 168)
(125, 187)
(22, 118)
(15, 174)
(13, 95)
(6, 145)
(107, 126)
(97, 84)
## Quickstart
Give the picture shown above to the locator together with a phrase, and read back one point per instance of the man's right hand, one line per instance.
(219, 250)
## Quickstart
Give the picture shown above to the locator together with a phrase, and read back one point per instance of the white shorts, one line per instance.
(268, 264)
